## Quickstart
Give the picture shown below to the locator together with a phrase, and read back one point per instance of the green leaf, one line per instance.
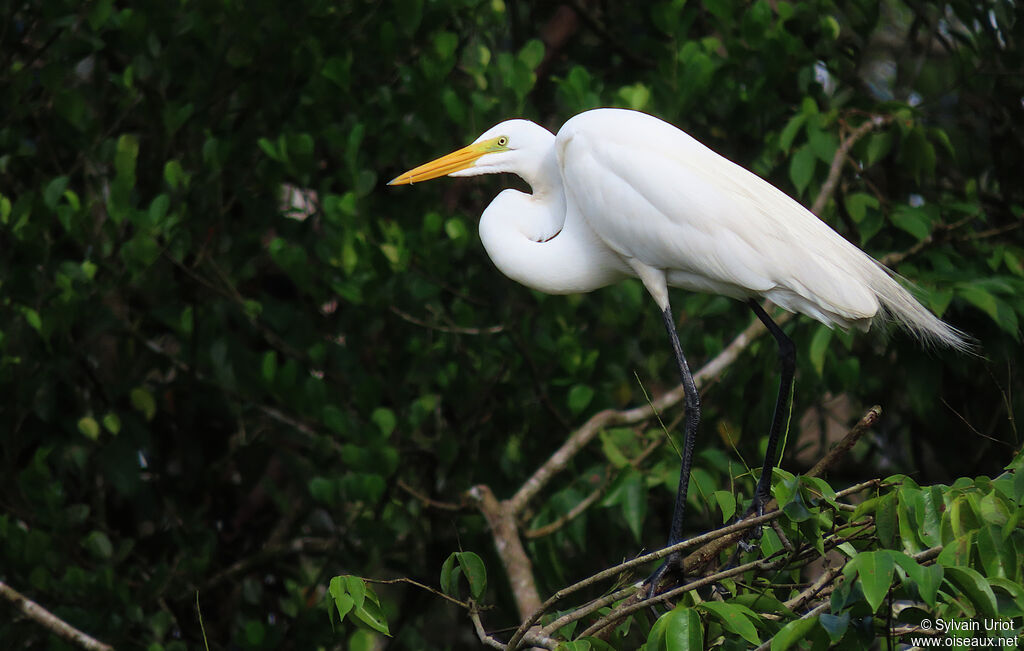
(579, 397)
(158, 208)
(385, 420)
(874, 571)
(112, 422)
(532, 53)
(677, 630)
(455, 228)
(734, 618)
(790, 131)
(823, 143)
(450, 572)
(5, 209)
(343, 601)
(926, 578)
(818, 348)
(636, 96)
(834, 625)
(370, 613)
(793, 633)
(726, 502)
(98, 544)
(323, 490)
(268, 367)
(143, 401)
(475, 572)
(975, 587)
(857, 205)
(886, 524)
(33, 319)
(174, 175)
(634, 502)
(270, 148)
(54, 190)
(879, 145)
(912, 220)
(125, 156)
(89, 428)
(611, 449)
(801, 168)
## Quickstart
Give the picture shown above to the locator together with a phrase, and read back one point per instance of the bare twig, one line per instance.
(486, 639)
(51, 622)
(812, 590)
(427, 501)
(573, 513)
(828, 188)
(840, 449)
(490, 330)
(465, 604)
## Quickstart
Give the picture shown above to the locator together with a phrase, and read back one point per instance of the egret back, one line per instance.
(654, 194)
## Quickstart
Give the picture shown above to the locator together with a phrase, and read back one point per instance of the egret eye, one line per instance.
(502, 141)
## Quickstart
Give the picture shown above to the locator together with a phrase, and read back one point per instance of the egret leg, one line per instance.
(783, 405)
(691, 420)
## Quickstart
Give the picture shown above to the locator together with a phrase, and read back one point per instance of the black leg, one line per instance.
(783, 405)
(692, 418)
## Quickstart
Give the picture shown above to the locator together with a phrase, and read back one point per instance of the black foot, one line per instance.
(672, 566)
(753, 533)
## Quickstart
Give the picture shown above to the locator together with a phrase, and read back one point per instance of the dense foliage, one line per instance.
(235, 365)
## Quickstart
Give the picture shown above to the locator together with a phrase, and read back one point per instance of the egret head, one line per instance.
(517, 146)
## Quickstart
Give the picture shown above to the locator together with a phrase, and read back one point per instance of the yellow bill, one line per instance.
(453, 162)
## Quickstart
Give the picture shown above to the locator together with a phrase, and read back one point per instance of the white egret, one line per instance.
(620, 194)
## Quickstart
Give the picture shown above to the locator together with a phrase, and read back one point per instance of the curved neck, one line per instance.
(539, 241)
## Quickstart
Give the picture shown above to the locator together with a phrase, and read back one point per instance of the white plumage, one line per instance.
(621, 193)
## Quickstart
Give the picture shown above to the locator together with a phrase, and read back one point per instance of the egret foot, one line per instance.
(673, 565)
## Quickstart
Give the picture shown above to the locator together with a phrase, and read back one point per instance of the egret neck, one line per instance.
(534, 240)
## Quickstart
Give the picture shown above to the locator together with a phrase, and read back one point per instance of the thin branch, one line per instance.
(464, 604)
(490, 330)
(840, 449)
(573, 513)
(828, 188)
(427, 501)
(826, 577)
(51, 622)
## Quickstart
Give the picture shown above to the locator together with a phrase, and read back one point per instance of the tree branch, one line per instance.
(828, 188)
(51, 622)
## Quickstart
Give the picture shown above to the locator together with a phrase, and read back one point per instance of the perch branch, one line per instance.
(706, 554)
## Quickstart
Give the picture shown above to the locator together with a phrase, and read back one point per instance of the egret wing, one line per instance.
(654, 193)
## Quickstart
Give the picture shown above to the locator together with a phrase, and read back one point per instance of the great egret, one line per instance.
(620, 193)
